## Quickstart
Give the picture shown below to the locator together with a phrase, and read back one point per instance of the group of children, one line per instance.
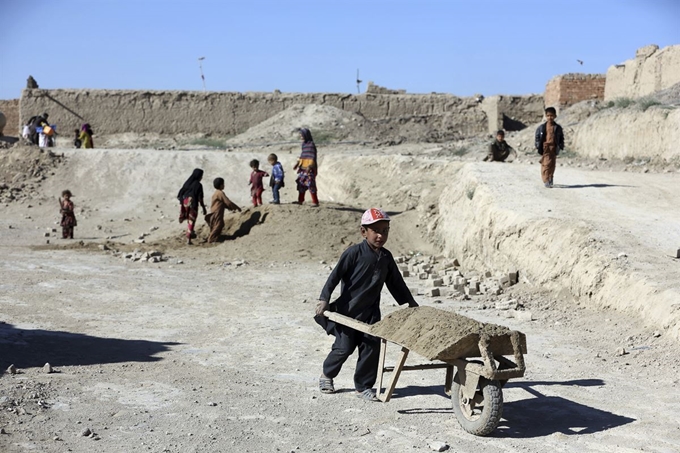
(190, 197)
(306, 167)
(275, 182)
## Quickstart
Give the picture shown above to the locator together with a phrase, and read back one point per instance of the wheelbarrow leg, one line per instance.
(448, 380)
(385, 397)
(381, 366)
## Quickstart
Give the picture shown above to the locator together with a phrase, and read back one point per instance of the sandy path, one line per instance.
(631, 206)
(607, 238)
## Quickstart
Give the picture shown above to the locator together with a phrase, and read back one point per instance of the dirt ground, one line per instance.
(213, 347)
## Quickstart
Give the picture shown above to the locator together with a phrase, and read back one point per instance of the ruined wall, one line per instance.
(651, 70)
(226, 113)
(11, 110)
(512, 113)
(568, 89)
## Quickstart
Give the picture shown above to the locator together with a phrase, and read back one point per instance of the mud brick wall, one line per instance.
(11, 110)
(568, 89)
(651, 70)
(228, 113)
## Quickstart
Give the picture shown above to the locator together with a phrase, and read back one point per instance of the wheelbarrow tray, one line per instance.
(442, 335)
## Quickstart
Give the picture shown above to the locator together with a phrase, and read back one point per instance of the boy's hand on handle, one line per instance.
(321, 306)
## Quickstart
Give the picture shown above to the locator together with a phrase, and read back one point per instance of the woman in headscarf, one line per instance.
(306, 167)
(190, 196)
(85, 136)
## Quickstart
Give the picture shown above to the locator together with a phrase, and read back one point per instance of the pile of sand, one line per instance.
(22, 168)
(286, 232)
(328, 124)
(438, 334)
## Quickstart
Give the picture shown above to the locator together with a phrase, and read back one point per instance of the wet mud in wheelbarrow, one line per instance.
(442, 335)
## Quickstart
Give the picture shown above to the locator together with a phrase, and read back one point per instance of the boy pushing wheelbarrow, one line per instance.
(362, 270)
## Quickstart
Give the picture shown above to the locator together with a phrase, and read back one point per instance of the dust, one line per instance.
(437, 334)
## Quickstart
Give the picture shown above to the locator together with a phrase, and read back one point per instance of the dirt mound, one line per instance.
(287, 233)
(326, 123)
(436, 334)
(22, 168)
(281, 233)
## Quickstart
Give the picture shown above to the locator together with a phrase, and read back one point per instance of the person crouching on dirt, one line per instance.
(68, 215)
(549, 142)
(218, 204)
(363, 269)
(306, 167)
(499, 150)
(190, 196)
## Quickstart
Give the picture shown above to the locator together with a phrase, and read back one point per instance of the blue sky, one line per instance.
(451, 46)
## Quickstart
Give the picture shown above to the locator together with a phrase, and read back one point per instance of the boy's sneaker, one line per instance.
(274, 202)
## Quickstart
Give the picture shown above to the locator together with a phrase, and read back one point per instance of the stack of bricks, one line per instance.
(441, 277)
(568, 89)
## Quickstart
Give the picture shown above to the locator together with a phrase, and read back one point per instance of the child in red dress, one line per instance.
(68, 216)
(256, 186)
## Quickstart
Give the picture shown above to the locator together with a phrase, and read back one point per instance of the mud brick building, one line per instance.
(568, 89)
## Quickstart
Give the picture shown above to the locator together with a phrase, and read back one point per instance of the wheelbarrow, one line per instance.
(475, 364)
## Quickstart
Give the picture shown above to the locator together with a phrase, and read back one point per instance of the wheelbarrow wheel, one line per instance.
(480, 415)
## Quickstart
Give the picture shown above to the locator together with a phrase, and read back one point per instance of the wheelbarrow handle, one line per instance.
(347, 321)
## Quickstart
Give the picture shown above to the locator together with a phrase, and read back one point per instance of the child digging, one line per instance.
(218, 204)
(255, 183)
(68, 216)
(363, 269)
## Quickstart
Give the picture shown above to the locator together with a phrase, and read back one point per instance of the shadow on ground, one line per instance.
(538, 416)
(33, 348)
(587, 186)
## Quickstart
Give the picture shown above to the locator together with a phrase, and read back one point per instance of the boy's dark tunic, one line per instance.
(498, 151)
(362, 272)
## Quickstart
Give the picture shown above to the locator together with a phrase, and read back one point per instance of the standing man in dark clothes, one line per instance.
(499, 150)
(363, 269)
(549, 142)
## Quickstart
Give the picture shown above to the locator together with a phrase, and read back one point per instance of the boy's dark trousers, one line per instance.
(346, 340)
